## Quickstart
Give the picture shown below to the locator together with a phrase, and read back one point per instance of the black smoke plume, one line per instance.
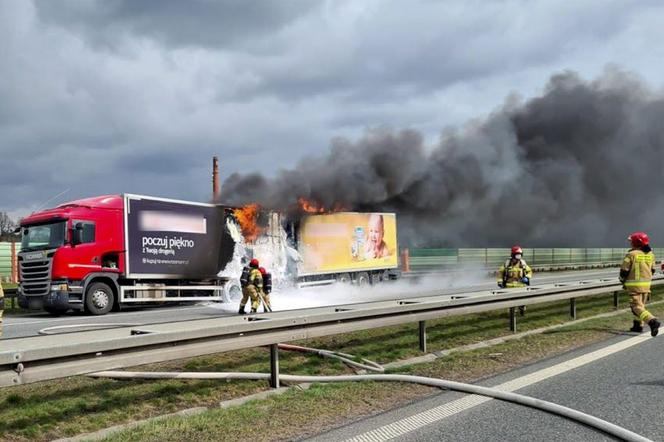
(580, 165)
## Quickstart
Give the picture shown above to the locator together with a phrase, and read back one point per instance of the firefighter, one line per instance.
(251, 282)
(267, 289)
(636, 272)
(515, 272)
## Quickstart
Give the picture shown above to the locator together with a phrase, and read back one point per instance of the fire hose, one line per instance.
(266, 305)
(343, 357)
(550, 407)
(58, 329)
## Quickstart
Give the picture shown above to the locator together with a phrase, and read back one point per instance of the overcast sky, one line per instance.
(113, 96)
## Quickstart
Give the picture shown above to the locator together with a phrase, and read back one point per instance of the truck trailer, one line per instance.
(347, 247)
(99, 254)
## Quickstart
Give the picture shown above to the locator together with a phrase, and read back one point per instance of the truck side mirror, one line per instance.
(77, 234)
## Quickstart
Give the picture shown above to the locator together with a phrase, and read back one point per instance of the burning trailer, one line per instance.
(311, 246)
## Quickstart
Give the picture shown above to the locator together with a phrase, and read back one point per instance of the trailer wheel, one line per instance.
(362, 279)
(376, 278)
(98, 299)
(344, 278)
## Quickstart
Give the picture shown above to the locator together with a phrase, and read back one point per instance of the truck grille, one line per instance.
(36, 276)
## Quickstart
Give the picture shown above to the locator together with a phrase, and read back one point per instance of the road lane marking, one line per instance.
(116, 315)
(420, 420)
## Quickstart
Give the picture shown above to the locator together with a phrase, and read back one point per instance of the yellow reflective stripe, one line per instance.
(637, 283)
(644, 315)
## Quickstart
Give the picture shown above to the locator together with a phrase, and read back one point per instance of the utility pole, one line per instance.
(215, 179)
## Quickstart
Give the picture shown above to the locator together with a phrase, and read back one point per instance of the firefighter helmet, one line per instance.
(253, 263)
(639, 239)
(516, 249)
(262, 270)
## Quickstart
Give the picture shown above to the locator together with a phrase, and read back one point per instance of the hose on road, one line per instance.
(550, 407)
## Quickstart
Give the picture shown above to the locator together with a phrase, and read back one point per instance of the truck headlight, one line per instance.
(64, 287)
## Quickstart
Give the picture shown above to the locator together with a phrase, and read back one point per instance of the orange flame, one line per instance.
(247, 216)
(312, 207)
(309, 206)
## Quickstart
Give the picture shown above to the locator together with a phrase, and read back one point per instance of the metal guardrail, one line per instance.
(26, 360)
(536, 257)
(422, 271)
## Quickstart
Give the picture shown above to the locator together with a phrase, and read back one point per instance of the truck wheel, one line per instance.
(362, 279)
(344, 278)
(232, 292)
(98, 299)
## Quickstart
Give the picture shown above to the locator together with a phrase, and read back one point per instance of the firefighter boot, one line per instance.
(654, 327)
(636, 327)
(241, 311)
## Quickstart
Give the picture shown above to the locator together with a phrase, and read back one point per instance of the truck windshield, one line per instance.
(43, 236)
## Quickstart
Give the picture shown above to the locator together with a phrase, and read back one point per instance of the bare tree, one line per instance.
(7, 226)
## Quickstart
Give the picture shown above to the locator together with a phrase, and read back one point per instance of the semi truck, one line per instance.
(102, 253)
(98, 254)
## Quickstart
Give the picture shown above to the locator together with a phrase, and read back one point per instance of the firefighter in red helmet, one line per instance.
(636, 272)
(252, 283)
(515, 272)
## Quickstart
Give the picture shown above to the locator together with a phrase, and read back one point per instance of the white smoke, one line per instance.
(272, 248)
(293, 298)
(234, 267)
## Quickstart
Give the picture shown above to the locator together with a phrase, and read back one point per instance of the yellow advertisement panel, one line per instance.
(348, 242)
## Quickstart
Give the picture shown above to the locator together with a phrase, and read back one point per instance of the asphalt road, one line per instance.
(625, 388)
(29, 324)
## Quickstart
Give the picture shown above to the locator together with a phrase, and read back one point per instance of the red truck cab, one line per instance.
(66, 249)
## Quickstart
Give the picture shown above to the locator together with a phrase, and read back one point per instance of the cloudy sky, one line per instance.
(114, 96)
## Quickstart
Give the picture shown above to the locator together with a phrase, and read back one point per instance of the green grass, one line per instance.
(11, 305)
(77, 405)
(300, 413)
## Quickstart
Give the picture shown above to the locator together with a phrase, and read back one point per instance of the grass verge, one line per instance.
(77, 405)
(11, 304)
(301, 413)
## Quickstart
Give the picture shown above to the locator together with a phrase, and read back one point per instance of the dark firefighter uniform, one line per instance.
(267, 289)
